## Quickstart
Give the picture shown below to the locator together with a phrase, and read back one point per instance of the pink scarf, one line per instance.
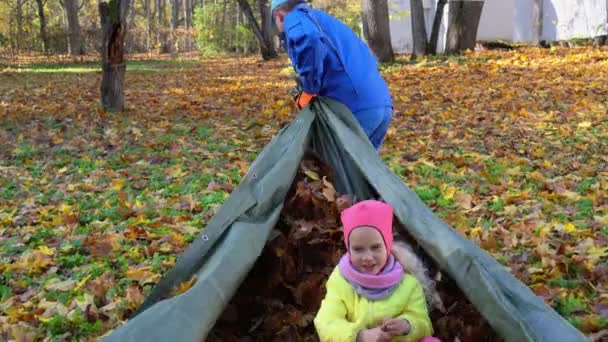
(372, 286)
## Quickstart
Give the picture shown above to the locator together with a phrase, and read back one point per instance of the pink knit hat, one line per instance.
(369, 213)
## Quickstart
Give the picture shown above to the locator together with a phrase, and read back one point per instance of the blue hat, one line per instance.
(276, 3)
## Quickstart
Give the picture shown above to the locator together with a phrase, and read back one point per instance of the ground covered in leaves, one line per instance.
(510, 148)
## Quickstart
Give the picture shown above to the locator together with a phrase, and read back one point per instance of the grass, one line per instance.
(89, 67)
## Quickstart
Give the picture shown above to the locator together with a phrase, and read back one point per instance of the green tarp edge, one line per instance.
(234, 238)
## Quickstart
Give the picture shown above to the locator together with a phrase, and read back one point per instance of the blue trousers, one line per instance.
(375, 123)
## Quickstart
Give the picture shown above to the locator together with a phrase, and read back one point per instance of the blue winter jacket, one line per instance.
(333, 61)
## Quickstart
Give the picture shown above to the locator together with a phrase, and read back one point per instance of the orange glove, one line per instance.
(304, 99)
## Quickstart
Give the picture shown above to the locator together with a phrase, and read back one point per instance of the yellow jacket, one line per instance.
(344, 312)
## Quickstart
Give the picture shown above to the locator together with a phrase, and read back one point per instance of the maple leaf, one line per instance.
(184, 286)
(134, 297)
(143, 275)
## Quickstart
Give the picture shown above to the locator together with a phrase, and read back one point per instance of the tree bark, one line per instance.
(113, 15)
(463, 24)
(75, 46)
(160, 29)
(174, 25)
(19, 15)
(436, 26)
(266, 49)
(223, 25)
(148, 5)
(537, 19)
(188, 24)
(43, 35)
(376, 28)
(266, 22)
(418, 29)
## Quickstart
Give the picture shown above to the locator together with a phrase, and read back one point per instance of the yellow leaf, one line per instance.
(184, 286)
(176, 171)
(571, 195)
(312, 175)
(475, 232)
(596, 253)
(569, 228)
(538, 153)
(117, 184)
(448, 191)
(143, 275)
(82, 282)
(46, 251)
(602, 219)
(585, 124)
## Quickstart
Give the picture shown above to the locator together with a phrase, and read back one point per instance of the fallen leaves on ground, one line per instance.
(509, 148)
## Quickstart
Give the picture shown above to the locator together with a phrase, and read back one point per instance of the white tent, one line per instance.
(510, 20)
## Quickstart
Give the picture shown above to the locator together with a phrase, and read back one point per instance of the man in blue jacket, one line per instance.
(331, 60)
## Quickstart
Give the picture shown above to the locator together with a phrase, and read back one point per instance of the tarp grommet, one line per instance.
(205, 237)
(299, 121)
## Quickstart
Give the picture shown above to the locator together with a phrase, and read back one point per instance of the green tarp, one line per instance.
(234, 238)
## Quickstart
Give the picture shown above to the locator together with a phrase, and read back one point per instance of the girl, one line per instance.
(369, 296)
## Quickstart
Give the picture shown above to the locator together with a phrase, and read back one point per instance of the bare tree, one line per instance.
(17, 38)
(436, 26)
(148, 9)
(266, 47)
(418, 29)
(174, 25)
(43, 34)
(463, 22)
(113, 15)
(376, 28)
(75, 46)
(188, 24)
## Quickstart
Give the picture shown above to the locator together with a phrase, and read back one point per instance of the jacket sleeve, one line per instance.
(308, 54)
(331, 321)
(417, 314)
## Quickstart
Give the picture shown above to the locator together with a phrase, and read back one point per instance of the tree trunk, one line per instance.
(188, 24)
(376, 28)
(237, 24)
(267, 50)
(19, 15)
(43, 35)
(537, 19)
(174, 24)
(223, 25)
(266, 22)
(463, 23)
(75, 46)
(160, 29)
(113, 15)
(436, 26)
(148, 5)
(418, 29)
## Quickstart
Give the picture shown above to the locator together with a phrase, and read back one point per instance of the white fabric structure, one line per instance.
(509, 20)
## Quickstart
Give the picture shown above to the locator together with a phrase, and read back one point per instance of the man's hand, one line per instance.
(374, 335)
(396, 326)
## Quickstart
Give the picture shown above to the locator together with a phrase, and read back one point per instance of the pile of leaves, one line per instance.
(283, 292)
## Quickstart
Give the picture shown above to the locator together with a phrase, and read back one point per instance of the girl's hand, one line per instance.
(374, 335)
(396, 326)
